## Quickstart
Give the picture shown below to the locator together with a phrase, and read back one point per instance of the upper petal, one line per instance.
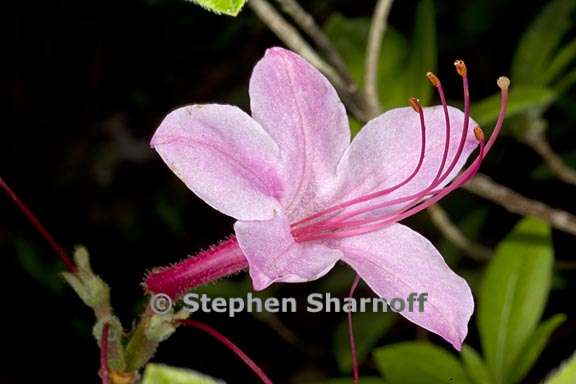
(301, 110)
(225, 157)
(274, 256)
(398, 261)
(387, 151)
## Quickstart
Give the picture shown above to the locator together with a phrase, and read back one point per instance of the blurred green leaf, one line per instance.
(418, 363)
(369, 327)
(227, 7)
(566, 82)
(513, 294)
(534, 347)
(423, 54)
(32, 262)
(401, 73)
(560, 63)
(475, 366)
(521, 99)
(163, 374)
(566, 374)
(534, 53)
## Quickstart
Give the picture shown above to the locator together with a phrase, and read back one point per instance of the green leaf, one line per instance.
(475, 366)
(534, 347)
(540, 41)
(565, 82)
(561, 61)
(418, 363)
(513, 294)
(350, 36)
(566, 374)
(423, 54)
(369, 327)
(227, 7)
(163, 374)
(401, 73)
(521, 99)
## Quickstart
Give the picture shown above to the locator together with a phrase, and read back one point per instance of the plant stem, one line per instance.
(377, 29)
(451, 231)
(537, 141)
(487, 188)
(355, 102)
(305, 21)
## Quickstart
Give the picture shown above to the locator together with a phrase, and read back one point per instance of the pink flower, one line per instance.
(305, 197)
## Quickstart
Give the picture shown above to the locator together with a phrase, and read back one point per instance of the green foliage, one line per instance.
(521, 100)
(418, 363)
(369, 327)
(227, 7)
(534, 346)
(32, 262)
(534, 61)
(163, 374)
(401, 71)
(512, 297)
(475, 366)
(566, 374)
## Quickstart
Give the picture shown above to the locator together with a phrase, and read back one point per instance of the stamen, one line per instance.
(504, 84)
(415, 103)
(230, 345)
(440, 176)
(461, 68)
(433, 79)
(462, 71)
(340, 226)
(479, 133)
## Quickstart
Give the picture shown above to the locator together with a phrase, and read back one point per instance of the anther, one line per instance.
(479, 133)
(503, 83)
(415, 103)
(461, 68)
(433, 79)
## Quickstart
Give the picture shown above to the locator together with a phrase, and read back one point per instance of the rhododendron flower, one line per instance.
(305, 197)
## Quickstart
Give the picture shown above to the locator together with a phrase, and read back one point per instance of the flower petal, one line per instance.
(398, 261)
(274, 256)
(225, 157)
(301, 110)
(387, 151)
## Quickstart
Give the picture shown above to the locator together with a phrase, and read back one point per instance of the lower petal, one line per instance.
(274, 256)
(398, 261)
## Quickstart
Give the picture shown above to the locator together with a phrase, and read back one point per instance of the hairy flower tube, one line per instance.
(305, 197)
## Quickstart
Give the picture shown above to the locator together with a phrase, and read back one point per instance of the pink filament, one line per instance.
(230, 345)
(340, 226)
(353, 351)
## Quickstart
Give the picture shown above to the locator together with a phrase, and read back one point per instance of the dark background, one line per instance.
(83, 88)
